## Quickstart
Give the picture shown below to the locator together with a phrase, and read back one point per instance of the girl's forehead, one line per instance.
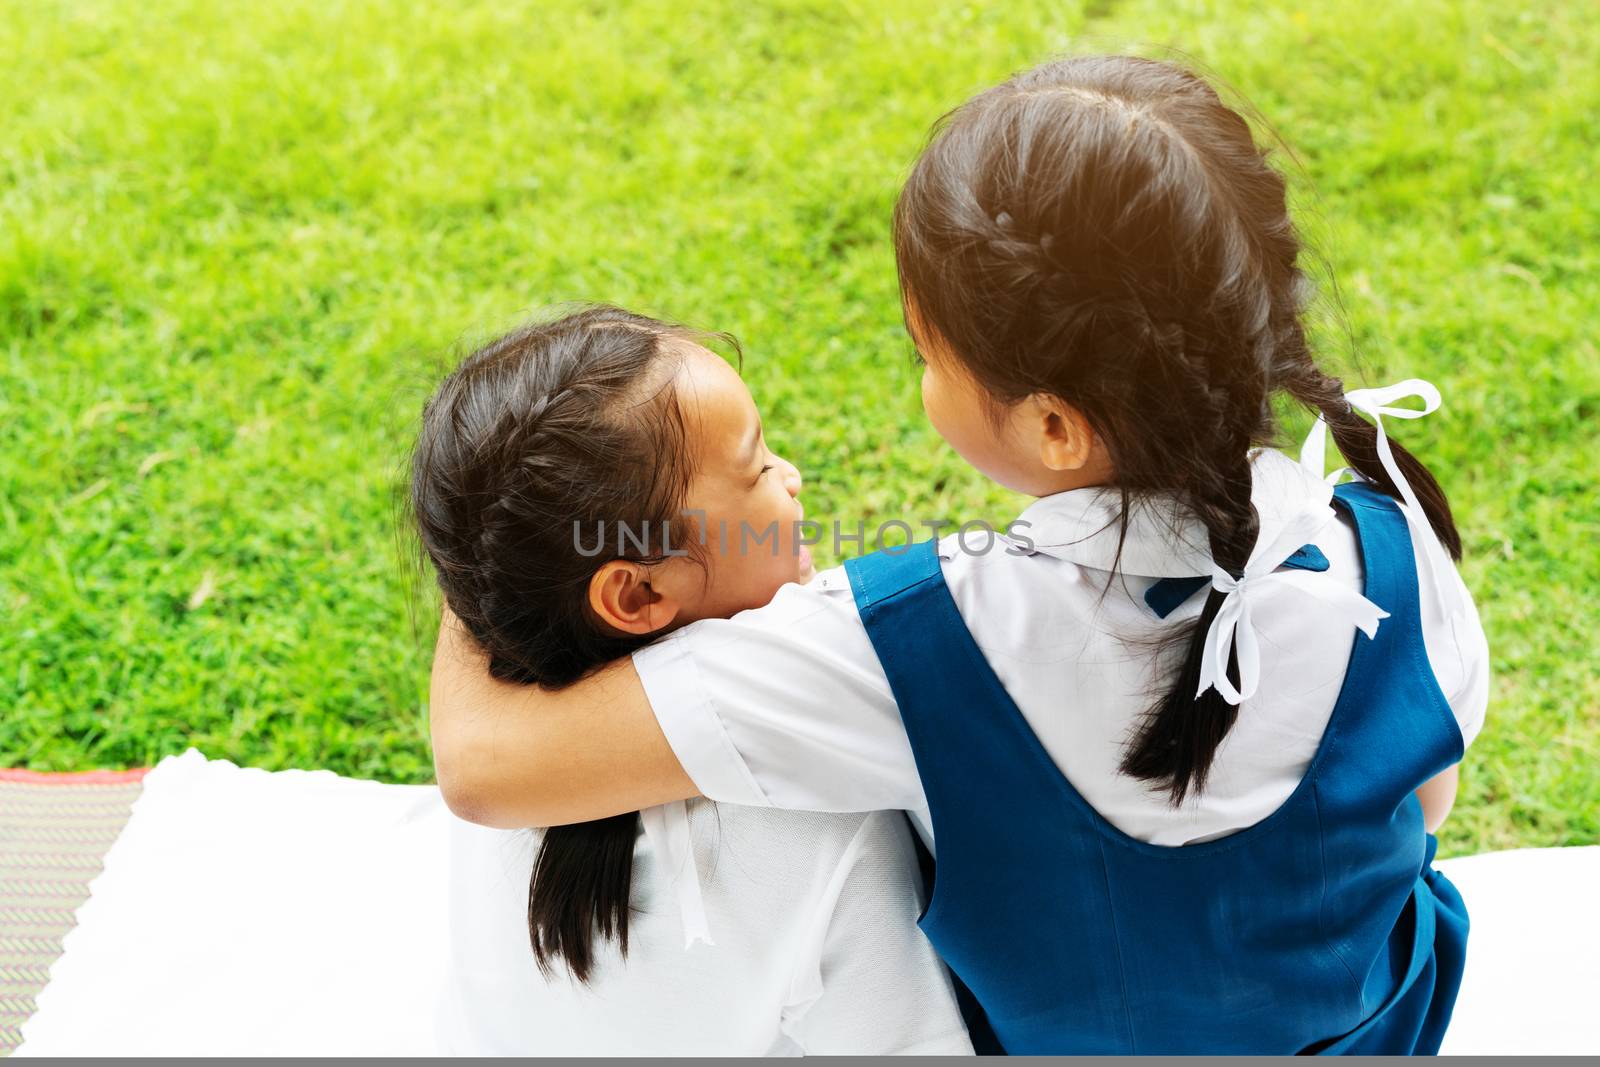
(714, 399)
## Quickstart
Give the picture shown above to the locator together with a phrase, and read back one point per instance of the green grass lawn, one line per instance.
(238, 243)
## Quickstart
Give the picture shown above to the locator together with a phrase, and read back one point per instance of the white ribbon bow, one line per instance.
(666, 826)
(1377, 403)
(1233, 623)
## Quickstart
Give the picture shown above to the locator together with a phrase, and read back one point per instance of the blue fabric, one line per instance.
(1165, 596)
(1322, 928)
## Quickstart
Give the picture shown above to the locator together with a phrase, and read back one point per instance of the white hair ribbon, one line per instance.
(1376, 403)
(1234, 625)
(666, 826)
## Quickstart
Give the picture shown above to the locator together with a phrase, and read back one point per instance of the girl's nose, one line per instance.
(791, 476)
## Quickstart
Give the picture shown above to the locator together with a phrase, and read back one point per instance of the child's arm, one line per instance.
(784, 705)
(512, 756)
(1438, 796)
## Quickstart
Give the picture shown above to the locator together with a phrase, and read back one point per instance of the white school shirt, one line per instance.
(787, 705)
(815, 946)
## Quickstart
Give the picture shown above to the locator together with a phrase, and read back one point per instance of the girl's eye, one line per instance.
(767, 468)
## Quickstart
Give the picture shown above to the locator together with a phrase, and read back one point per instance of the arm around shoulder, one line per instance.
(511, 756)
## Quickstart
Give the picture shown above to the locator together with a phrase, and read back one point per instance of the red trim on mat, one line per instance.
(17, 774)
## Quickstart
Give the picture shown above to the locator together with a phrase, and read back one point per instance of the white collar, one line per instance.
(1164, 540)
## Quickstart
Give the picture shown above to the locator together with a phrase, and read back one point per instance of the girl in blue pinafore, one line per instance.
(1179, 739)
(1102, 241)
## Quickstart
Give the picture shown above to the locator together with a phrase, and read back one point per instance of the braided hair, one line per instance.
(557, 429)
(1105, 230)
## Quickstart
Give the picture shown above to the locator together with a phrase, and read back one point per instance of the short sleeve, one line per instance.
(1458, 652)
(1469, 696)
(866, 981)
(784, 706)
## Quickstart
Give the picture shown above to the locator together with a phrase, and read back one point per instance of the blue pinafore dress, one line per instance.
(1322, 928)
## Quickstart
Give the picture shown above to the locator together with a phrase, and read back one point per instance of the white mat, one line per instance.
(1533, 957)
(247, 913)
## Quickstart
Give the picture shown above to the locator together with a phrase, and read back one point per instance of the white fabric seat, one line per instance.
(300, 912)
(1533, 958)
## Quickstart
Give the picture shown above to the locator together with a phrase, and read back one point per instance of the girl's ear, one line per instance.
(621, 595)
(1066, 440)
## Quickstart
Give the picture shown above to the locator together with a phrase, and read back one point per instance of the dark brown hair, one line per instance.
(557, 430)
(1106, 230)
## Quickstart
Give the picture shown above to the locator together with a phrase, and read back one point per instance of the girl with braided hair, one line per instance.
(550, 483)
(1180, 750)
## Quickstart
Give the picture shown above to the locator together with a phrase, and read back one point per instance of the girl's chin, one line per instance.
(808, 570)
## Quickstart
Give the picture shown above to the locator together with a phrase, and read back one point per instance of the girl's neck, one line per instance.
(1095, 472)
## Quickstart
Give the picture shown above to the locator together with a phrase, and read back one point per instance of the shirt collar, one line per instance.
(1164, 540)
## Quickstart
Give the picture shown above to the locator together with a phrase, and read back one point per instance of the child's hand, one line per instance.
(1438, 796)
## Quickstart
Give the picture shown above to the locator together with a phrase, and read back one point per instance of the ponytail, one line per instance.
(582, 878)
(520, 446)
(579, 892)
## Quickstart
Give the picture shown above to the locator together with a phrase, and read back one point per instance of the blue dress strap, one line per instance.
(890, 571)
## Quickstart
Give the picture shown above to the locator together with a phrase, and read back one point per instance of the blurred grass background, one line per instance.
(238, 243)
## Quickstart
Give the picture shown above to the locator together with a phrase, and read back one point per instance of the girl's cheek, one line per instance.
(935, 405)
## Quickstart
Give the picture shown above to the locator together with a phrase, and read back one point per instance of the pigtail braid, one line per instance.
(1180, 736)
(549, 425)
(1357, 440)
